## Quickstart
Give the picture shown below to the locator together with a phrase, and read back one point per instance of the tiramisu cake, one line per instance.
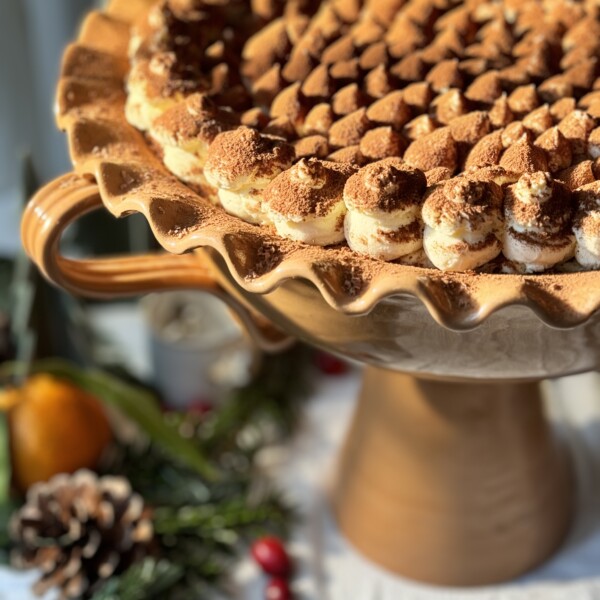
(436, 133)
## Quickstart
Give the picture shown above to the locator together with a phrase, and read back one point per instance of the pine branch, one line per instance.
(201, 522)
(148, 580)
(273, 399)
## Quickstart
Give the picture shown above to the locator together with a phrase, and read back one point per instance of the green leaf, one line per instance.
(5, 468)
(136, 403)
(6, 511)
(146, 580)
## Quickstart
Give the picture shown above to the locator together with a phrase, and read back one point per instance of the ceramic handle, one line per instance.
(69, 197)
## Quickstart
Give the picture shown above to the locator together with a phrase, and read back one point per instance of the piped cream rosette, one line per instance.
(146, 85)
(305, 203)
(169, 50)
(463, 223)
(537, 212)
(185, 132)
(241, 163)
(587, 225)
(384, 209)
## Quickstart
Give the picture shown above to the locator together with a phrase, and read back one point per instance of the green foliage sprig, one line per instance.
(199, 474)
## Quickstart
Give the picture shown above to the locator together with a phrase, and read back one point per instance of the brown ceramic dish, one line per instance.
(431, 487)
(90, 109)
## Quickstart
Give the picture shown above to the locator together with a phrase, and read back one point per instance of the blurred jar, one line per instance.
(198, 351)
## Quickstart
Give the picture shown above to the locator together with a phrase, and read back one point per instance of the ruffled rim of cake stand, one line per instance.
(90, 108)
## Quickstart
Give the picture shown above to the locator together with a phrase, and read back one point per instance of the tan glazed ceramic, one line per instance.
(457, 482)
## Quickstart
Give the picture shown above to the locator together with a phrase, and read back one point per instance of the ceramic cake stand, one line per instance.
(447, 480)
(450, 473)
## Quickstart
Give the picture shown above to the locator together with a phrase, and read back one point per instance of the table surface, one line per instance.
(328, 568)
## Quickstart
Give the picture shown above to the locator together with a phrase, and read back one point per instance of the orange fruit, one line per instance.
(55, 427)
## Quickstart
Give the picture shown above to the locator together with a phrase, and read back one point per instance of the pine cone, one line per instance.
(80, 530)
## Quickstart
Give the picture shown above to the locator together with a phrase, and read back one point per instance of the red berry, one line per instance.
(272, 557)
(330, 365)
(201, 407)
(278, 589)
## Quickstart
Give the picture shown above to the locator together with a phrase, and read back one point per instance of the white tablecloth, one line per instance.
(329, 569)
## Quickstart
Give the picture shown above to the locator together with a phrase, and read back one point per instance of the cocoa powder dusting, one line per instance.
(244, 151)
(438, 149)
(587, 207)
(414, 231)
(349, 154)
(486, 152)
(385, 185)
(350, 129)
(464, 199)
(196, 118)
(310, 187)
(557, 148)
(537, 200)
(524, 157)
(539, 120)
(382, 142)
(461, 100)
(390, 110)
(577, 175)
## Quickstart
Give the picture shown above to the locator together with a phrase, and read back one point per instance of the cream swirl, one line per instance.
(384, 204)
(146, 84)
(241, 164)
(185, 132)
(305, 203)
(463, 222)
(586, 225)
(537, 211)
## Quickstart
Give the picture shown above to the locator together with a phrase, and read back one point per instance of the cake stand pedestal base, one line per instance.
(456, 484)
